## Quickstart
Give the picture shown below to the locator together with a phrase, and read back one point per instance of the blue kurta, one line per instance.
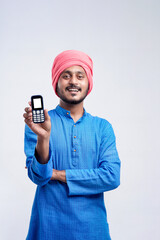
(86, 149)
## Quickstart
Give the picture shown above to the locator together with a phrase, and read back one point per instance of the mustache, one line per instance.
(73, 87)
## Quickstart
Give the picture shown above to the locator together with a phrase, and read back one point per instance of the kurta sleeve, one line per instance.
(97, 180)
(39, 173)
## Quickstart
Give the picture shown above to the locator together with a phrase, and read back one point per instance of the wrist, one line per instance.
(42, 150)
(59, 175)
(44, 139)
(54, 175)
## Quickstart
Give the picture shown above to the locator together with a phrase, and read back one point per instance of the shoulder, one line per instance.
(51, 112)
(102, 126)
(29, 135)
(101, 122)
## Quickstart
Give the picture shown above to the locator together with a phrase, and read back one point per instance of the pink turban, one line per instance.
(70, 58)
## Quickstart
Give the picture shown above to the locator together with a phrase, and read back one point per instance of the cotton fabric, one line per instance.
(70, 58)
(86, 149)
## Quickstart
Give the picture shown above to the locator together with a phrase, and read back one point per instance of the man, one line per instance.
(72, 157)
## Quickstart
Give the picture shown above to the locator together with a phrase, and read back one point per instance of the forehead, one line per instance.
(75, 68)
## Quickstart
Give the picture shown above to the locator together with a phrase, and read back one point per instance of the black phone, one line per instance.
(37, 109)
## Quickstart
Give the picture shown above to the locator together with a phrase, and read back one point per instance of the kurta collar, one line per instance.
(66, 113)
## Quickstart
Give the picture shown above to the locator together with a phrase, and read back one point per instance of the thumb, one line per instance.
(47, 117)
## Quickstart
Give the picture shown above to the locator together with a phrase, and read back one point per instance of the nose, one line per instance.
(73, 79)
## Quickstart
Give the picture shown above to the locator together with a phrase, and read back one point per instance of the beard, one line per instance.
(72, 101)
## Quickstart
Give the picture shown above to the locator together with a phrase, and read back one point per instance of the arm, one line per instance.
(42, 150)
(37, 149)
(104, 178)
(40, 173)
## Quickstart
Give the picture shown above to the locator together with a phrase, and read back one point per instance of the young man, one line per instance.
(72, 157)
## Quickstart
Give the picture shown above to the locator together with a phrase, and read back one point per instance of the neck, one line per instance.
(75, 109)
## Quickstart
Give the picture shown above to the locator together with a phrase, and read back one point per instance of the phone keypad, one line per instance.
(38, 116)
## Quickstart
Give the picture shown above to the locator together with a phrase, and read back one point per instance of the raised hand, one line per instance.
(41, 129)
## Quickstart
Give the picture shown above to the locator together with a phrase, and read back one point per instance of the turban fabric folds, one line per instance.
(70, 58)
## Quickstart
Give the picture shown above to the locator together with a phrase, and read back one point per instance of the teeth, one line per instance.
(75, 90)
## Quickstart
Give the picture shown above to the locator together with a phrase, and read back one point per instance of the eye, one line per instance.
(66, 76)
(80, 76)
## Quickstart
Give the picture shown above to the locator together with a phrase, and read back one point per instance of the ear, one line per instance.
(56, 86)
(88, 85)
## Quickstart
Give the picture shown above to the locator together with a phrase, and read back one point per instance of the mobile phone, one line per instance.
(37, 109)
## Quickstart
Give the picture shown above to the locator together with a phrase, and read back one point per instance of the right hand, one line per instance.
(41, 129)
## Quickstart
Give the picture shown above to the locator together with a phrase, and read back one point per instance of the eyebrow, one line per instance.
(69, 72)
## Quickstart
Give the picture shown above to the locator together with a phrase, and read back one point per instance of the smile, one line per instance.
(73, 90)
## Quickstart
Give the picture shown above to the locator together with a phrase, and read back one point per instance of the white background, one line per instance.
(122, 38)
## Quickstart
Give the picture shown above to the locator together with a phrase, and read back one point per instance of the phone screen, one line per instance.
(37, 103)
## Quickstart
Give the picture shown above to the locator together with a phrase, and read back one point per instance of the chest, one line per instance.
(75, 146)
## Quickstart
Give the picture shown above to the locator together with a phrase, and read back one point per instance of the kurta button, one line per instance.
(74, 125)
(74, 150)
(67, 113)
(74, 136)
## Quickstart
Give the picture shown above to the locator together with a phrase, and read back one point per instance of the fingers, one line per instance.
(47, 117)
(29, 122)
(28, 114)
(28, 109)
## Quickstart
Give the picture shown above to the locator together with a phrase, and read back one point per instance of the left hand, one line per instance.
(59, 175)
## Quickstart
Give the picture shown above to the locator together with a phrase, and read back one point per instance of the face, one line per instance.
(73, 85)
